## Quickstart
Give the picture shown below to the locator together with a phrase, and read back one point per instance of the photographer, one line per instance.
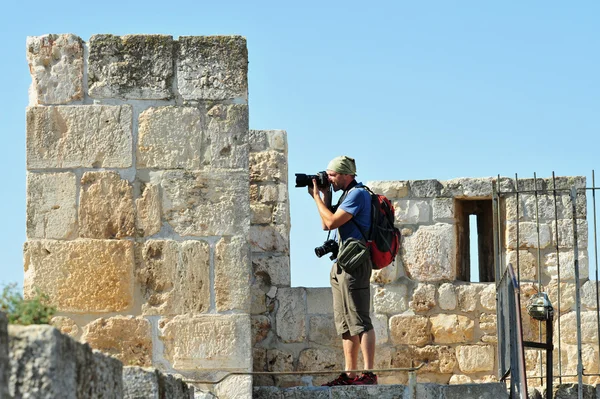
(350, 285)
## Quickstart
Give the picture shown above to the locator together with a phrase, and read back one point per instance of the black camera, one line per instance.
(327, 247)
(303, 180)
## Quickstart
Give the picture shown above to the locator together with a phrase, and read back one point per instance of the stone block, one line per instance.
(258, 300)
(293, 392)
(232, 274)
(281, 215)
(380, 325)
(425, 188)
(65, 271)
(589, 328)
(487, 297)
(319, 301)
(207, 342)
(410, 330)
(566, 233)
(391, 189)
(212, 67)
(170, 138)
(107, 376)
(106, 206)
(313, 359)
(279, 360)
(261, 326)
(56, 68)
(233, 387)
(126, 338)
(567, 295)
(423, 298)
(569, 359)
(436, 359)
(51, 205)
(491, 390)
(447, 296)
(412, 211)
(269, 239)
(566, 260)
(429, 254)
(206, 203)
(174, 277)
(79, 136)
(149, 383)
(261, 213)
(268, 166)
(526, 266)
(392, 299)
(149, 210)
(571, 391)
(131, 66)
(4, 359)
(291, 315)
(321, 330)
(532, 208)
(269, 193)
(468, 297)
(528, 235)
(388, 274)
(487, 323)
(225, 142)
(451, 329)
(66, 325)
(45, 363)
(588, 292)
(443, 210)
(369, 391)
(472, 188)
(262, 140)
(475, 358)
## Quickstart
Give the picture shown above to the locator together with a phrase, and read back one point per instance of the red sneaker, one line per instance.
(343, 379)
(367, 378)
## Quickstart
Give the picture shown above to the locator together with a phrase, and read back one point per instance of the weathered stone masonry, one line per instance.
(138, 211)
(159, 225)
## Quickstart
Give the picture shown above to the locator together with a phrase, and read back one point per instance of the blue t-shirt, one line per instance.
(358, 204)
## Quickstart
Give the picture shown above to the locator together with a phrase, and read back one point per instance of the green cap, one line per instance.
(343, 164)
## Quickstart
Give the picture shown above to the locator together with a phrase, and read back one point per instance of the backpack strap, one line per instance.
(362, 232)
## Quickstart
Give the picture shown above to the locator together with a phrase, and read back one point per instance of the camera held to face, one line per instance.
(329, 246)
(303, 180)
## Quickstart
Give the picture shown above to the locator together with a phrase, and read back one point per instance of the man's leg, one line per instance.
(351, 347)
(367, 346)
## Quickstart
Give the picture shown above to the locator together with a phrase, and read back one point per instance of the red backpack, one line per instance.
(383, 239)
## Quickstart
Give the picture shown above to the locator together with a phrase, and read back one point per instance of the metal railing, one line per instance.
(507, 189)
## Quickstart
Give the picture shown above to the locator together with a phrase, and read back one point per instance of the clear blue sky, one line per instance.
(412, 90)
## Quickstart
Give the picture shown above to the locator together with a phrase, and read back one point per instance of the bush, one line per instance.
(25, 311)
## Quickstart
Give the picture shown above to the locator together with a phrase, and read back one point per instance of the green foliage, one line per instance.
(25, 311)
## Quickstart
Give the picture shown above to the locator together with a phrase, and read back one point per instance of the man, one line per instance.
(351, 290)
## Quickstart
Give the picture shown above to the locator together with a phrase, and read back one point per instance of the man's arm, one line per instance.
(329, 219)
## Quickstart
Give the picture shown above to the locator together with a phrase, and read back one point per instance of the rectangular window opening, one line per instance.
(475, 254)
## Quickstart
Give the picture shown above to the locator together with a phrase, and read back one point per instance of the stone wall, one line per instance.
(159, 226)
(422, 310)
(40, 362)
(138, 213)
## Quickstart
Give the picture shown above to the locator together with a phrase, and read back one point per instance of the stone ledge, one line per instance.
(46, 363)
(151, 383)
(423, 391)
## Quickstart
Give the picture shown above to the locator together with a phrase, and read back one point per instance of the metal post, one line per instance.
(558, 277)
(577, 294)
(549, 350)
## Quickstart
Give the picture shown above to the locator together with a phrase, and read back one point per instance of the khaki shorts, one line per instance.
(352, 299)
